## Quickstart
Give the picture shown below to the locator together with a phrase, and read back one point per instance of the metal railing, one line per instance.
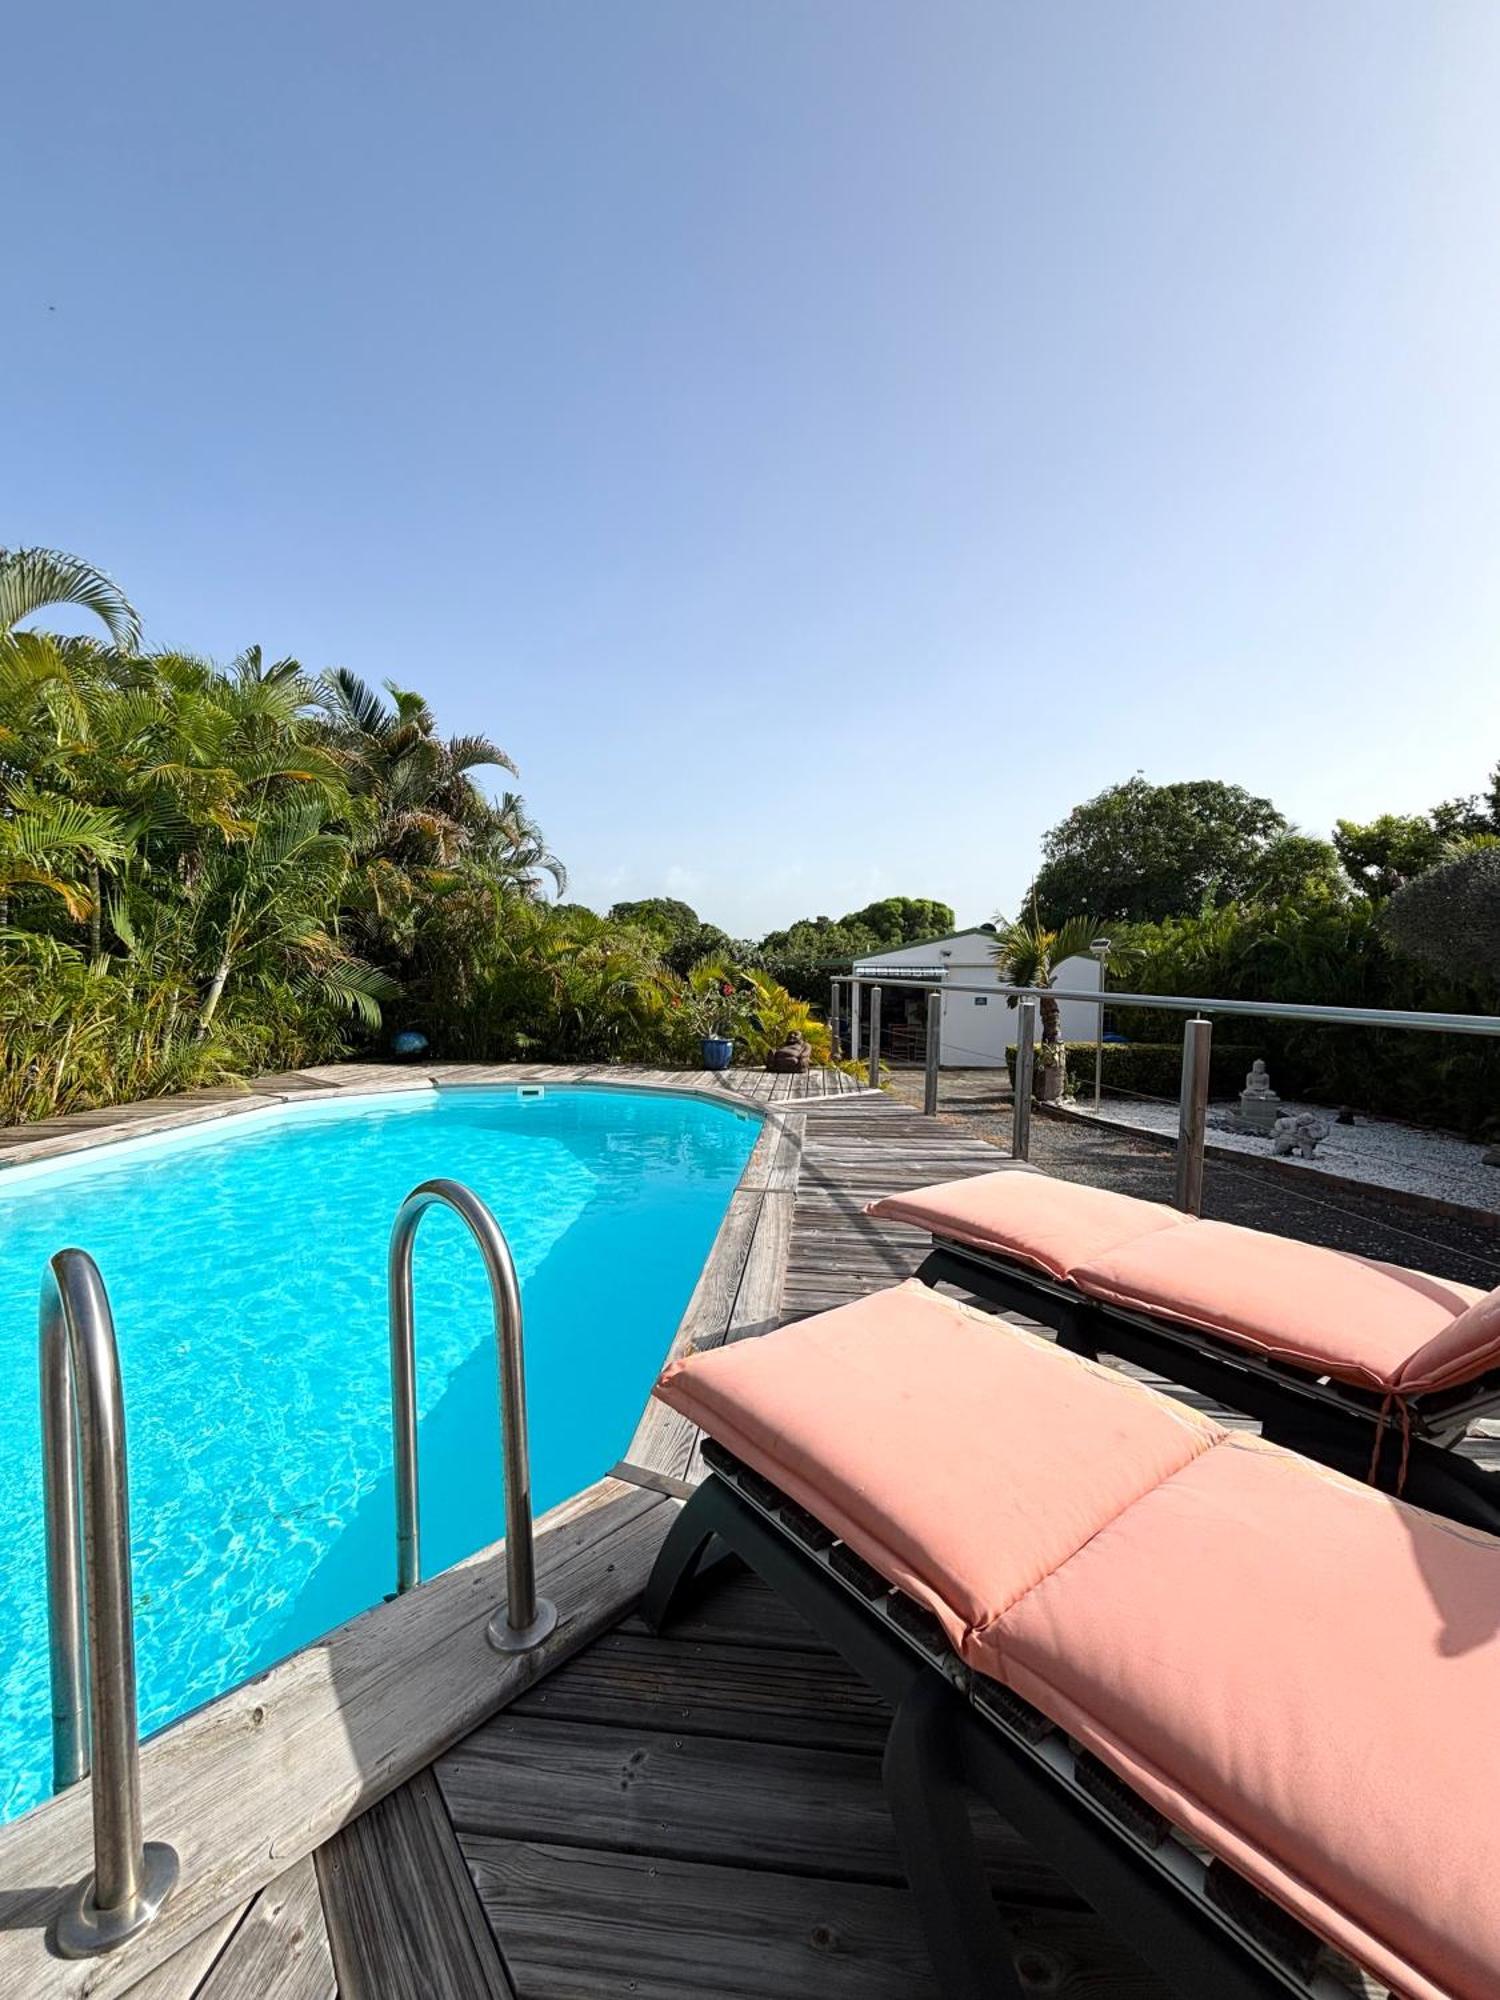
(1192, 1122)
(527, 1619)
(90, 1616)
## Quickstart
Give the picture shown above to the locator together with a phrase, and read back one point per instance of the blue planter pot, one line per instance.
(716, 1052)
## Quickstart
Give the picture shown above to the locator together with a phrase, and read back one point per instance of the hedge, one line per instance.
(1152, 1069)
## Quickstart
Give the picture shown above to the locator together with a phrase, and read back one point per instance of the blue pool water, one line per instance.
(246, 1266)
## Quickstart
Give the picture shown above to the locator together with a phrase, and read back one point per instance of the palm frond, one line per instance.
(33, 579)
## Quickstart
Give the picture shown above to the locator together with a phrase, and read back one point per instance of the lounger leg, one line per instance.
(680, 1561)
(929, 1805)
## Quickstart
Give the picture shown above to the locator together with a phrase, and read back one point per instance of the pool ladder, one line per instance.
(86, 1493)
(527, 1619)
(91, 1625)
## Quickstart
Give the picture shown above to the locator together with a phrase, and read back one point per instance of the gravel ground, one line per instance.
(1370, 1223)
(1375, 1150)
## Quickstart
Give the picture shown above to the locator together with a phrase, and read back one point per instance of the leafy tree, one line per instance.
(1449, 917)
(33, 580)
(665, 915)
(1139, 852)
(898, 920)
(1380, 854)
(1297, 867)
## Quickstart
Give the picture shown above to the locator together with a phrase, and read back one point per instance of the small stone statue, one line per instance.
(1298, 1133)
(792, 1058)
(1260, 1107)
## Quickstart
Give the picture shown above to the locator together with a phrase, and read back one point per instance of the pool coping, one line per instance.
(263, 1774)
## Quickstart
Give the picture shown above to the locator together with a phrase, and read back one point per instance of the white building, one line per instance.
(977, 1027)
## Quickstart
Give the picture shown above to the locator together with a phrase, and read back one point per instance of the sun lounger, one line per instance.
(1240, 1701)
(1373, 1368)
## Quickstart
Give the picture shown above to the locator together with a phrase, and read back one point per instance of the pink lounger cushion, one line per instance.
(1306, 1677)
(1048, 1224)
(1322, 1310)
(1299, 1671)
(1467, 1348)
(908, 1424)
(1376, 1326)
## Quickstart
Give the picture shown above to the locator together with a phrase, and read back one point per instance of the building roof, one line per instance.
(924, 944)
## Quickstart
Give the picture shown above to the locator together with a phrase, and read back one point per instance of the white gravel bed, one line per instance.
(1376, 1150)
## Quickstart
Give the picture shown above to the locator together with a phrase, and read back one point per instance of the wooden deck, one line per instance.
(673, 1818)
(663, 1819)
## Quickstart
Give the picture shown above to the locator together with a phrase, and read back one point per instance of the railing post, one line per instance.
(1020, 1128)
(854, 997)
(87, 1501)
(1192, 1114)
(934, 1052)
(874, 1038)
(834, 1037)
(527, 1618)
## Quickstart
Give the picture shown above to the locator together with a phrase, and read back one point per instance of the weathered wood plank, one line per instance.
(281, 1948)
(183, 1974)
(581, 1925)
(404, 1919)
(757, 1805)
(259, 1778)
(756, 1693)
(738, 1611)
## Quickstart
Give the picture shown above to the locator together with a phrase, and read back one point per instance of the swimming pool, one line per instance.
(245, 1263)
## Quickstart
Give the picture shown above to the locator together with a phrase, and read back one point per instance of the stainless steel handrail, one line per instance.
(91, 1632)
(527, 1618)
(1178, 1003)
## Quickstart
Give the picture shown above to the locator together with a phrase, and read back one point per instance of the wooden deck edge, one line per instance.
(250, 1784)
(738, 1291)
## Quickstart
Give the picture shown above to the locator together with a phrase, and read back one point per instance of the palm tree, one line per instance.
(263, 910)
(33, 579)
(513, 845)
(1029, 954)
(428, 808)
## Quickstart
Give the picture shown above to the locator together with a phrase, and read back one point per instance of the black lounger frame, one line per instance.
(1330, 1421)
(1203, 1929)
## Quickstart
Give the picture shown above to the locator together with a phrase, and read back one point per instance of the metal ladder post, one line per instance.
(527, 1618)
(91, 1627)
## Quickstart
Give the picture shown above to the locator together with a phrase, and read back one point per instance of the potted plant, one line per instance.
(714, 1011)
(1028, 954)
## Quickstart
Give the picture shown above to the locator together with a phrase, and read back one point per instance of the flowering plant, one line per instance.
(713, 1003)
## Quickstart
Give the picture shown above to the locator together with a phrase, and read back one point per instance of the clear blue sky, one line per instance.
(823, 440)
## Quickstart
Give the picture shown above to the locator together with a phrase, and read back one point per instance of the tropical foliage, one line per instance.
(210, 871)
(1028, 953)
